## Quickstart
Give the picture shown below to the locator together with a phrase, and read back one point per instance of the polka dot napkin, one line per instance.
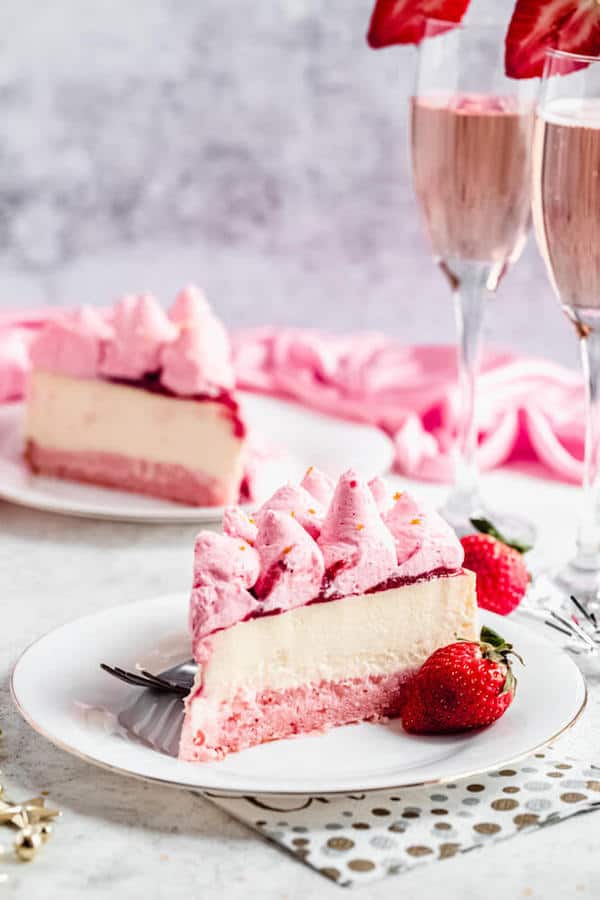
(357, 838)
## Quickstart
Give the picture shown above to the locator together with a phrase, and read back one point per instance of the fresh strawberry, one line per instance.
(502, 576)
(403, 21)
(538, 25)
(464, 685)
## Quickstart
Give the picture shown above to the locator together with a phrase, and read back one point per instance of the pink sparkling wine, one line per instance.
(566, 199)
(472, 168)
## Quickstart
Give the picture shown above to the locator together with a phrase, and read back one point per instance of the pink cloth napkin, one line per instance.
(530, 410)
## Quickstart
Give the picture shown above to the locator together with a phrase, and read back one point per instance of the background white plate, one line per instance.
(305, 438)
(62, 693)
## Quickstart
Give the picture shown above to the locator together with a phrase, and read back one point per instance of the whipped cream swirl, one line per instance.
(310, 543)
(187, 351)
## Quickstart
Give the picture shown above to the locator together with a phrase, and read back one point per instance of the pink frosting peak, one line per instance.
(72, 345)
(439, 546)
(381, 494)
(237, 524)
(190, 307)
(224, 569)
(299, 504)
(407, 525)
(291, 563)
(219, 557)
(198, 361)
(320, 485)
(141, 329)
(358, 548)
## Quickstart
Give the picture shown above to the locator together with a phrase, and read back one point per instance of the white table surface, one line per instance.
(122, 838)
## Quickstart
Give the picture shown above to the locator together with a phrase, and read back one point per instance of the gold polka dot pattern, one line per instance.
(359, 838)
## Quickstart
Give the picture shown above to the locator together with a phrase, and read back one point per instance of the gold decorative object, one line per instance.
(33, 819)
(11, 814)
(45, 830)
(30, 812)
(27, 842)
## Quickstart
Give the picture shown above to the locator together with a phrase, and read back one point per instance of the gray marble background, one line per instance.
(256, 147)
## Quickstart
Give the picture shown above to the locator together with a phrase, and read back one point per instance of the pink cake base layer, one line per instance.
(272, 715)
(140, 476)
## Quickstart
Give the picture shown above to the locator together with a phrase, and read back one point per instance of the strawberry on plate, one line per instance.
(502, 576)
(539, 25)
(403, 21)
(462, 686)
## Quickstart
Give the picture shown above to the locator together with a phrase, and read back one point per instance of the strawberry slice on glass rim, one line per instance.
(540, 25)
(403, 21)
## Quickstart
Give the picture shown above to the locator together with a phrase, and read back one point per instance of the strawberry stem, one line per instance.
(484, 526)
(496, 649)
(489, 636)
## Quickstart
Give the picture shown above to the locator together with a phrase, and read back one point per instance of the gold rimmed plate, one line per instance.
(60, 690)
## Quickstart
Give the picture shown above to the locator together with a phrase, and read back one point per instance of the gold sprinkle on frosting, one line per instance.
(293, 514)
(251, 520)
(287, 550)
(415, 521)
(397, 495)
(312, 511)
(360, 526)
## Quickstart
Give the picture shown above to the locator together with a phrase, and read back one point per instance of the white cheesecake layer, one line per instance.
(353, 637)
(79, 415)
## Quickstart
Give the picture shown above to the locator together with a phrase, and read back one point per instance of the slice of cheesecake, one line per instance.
(138, 401)
(315, 612)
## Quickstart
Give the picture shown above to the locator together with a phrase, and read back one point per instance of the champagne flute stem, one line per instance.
(588, 538)
(470, 298)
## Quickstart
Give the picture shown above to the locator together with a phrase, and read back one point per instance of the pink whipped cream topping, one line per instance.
(381, 495)
(320, 485)
(198, 361)
(189, 307)
(224, 570)
(296, 502)
(358, 548)
(141, 328)
(424, 540)
(189, 348)
(439, 547)
(407, 526)
(291, 564)
(237, 524)
(219, 557)
(271, 562)
(72, 346)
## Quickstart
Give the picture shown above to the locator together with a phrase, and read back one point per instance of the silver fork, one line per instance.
(177, 680)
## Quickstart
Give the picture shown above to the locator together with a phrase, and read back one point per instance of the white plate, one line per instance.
(62, 693)
(304, 437)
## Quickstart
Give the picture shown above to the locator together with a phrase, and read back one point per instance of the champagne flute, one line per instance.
(566, 214)
(471, 136)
